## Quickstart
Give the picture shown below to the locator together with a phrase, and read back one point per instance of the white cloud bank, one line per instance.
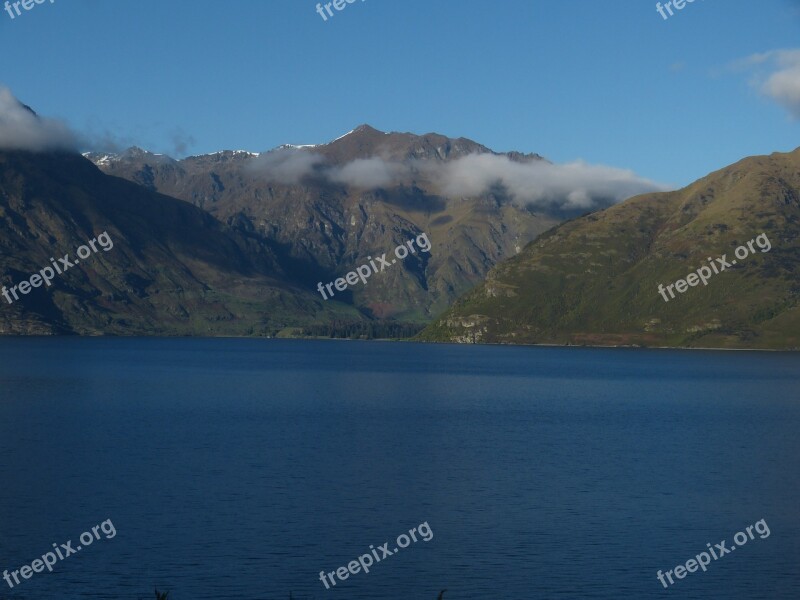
(22, 129)
(569, 186)
(777, 77)
(285, 165)
(369, 173)
(575, 185)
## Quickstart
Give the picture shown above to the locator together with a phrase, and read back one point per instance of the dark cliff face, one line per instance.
(172, 269)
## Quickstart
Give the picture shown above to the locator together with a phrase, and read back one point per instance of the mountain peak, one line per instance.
(360, 132)
(366, 128)
(136, 151)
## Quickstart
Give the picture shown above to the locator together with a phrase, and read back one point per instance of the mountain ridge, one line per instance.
(326, 224)
(361, 136)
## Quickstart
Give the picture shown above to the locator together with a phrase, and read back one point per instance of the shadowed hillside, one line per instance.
(173, 269)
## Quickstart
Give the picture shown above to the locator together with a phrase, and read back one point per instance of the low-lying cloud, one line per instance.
(285, 165)
(181, 142)
(575, 185)
(22, 129)
(569, 186)
(369, 173)
(777, 76)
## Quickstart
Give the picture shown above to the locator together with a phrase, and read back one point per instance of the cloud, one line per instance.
(368, 173)
(777, 76)
(100, 138)
(783, 85)
(181, 142)
(289, 165)
(570, 186)
(575, 185)
(285, 165)
(107, 141)
(22, 129)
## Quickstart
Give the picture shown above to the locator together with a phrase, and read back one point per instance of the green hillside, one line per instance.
(594, 280)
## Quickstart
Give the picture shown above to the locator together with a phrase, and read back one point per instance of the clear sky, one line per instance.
(607, 81)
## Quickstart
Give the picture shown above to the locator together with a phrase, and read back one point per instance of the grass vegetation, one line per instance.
(594, 280)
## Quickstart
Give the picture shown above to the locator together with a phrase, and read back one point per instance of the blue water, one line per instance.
(242, 468)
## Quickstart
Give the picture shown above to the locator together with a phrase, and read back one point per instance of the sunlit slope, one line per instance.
(594, 280)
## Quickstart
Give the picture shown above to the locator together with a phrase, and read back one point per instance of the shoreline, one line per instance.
(404, 340)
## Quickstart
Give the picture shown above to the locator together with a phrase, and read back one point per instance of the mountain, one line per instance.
(173, 269)
(595, 280)
(366, 142)
(324, 209)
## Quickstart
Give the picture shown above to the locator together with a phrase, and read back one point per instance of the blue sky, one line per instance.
(610, 82)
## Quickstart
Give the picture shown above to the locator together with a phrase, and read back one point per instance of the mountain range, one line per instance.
(235, 242)
(323, 209)
(522, 250)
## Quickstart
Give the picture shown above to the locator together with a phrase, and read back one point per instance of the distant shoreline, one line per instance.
(405, 340)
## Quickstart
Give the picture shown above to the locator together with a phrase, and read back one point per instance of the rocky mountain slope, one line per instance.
(324, 209)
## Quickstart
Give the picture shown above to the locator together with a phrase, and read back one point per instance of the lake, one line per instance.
(241, 468)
